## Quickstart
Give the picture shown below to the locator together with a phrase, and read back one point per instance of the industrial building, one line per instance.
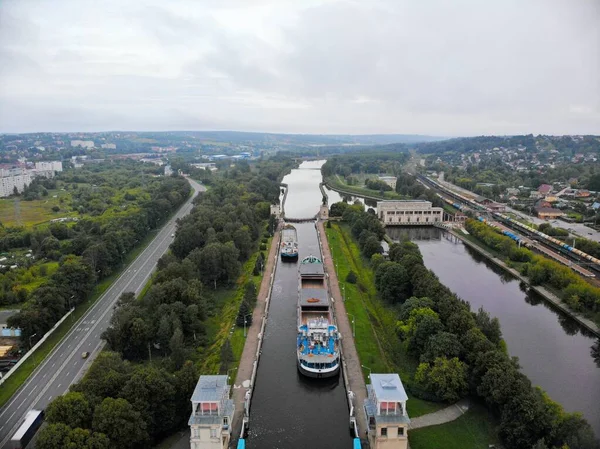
(408, 212)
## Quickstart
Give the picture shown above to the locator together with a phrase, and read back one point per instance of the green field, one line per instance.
(37, 211)
(476, 429)
(376, 341)
(360, 190)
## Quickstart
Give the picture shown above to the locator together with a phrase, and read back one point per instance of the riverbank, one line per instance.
(552, 299)
(352, 370)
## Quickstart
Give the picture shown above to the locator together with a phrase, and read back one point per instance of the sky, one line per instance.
(436, 67)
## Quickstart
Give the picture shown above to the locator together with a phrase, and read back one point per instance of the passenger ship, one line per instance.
(289, 243)
(318, 338)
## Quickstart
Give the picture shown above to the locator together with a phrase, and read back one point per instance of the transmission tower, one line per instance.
(18, 211)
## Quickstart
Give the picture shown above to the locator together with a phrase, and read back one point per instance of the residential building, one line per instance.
(545, 189)
(385, 409)
(389, 180)
(212, 414)
(534, 194)
(496, 207)
(10, 182)
(409, 212)
(109, 146)
(49, 166)
(168, 170)
(82, 143)
(548, 213)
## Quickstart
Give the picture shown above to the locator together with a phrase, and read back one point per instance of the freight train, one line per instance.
(512, 235)
(548, 238)
(545, 237)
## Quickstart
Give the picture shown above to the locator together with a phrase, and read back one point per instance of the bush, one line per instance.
(55, 208)
(351, 277)
(263, 247)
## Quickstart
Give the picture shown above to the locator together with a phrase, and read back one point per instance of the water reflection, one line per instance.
(595, 351)
(554, 351)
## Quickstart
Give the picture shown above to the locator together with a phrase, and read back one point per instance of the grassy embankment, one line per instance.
(23, 372)
(337, 182)
(375, 324)
(221, 326)
(376, 341)
(475, 429)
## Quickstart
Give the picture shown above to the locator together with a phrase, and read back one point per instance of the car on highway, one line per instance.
(85, 355)
(172, 235)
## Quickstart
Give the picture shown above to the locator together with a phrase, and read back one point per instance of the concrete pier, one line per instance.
(352, 371)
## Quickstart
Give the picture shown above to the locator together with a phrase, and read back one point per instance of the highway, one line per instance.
(65, 364)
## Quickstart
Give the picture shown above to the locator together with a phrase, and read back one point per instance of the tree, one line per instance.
(151, 392)
(53, 436)
(120, 422)
(372, 246)
(446, 378)
(351, 277)
(244, 316)
(71, 409)
(177, 347)
(489, 326)
(442, 344)
(392, 282)
(226, 357)
(105, 378)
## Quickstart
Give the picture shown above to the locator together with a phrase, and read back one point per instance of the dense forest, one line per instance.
(118, 207)
(460, 352)
(139, 392)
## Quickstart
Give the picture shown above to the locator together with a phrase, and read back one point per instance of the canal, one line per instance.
(553, 350)
(288, 410)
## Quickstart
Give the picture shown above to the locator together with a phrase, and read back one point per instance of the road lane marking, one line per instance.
(102, 303)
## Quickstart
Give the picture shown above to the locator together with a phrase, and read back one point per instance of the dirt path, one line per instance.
(442, 416)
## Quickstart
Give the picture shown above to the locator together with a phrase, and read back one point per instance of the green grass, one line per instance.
(376, 342)
(221, 325)
(17, 379)
(36, 211)
(474, 430)
(336, 181)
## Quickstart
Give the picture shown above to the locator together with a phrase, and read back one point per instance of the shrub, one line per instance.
(351, 277)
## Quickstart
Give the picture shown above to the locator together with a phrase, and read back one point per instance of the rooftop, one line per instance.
(210, 388)
(388, 387)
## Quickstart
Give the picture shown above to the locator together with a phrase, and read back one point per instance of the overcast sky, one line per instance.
(440, 67)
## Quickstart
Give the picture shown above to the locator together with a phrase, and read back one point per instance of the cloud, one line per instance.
(338, 66)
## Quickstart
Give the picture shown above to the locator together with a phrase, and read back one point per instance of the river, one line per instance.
(288, 410)
(553, 350)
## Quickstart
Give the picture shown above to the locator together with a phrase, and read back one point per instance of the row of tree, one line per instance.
(461, 353)
(371, 162)
(140, 392)
(576, 293)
